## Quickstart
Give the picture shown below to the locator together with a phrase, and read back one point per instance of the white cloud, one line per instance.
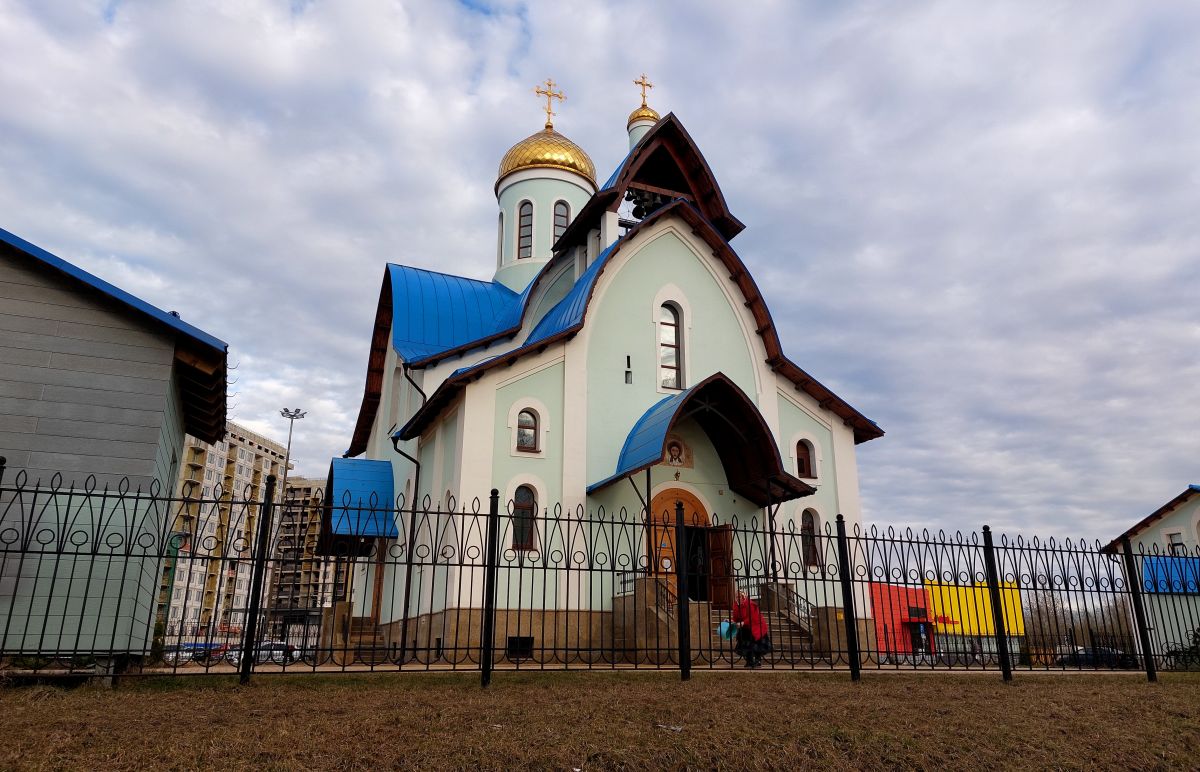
(983, 216)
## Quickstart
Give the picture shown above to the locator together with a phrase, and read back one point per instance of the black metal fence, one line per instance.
(96, 580)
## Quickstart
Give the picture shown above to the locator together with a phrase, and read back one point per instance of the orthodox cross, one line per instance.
(550, 94)
(645, 84)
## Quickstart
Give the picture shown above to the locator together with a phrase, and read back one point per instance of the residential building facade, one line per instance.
(205, 590)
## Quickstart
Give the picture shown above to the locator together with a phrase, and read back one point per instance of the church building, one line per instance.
(621, 359)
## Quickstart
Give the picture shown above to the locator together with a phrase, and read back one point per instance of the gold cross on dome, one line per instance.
(550, 94)
(645, 84)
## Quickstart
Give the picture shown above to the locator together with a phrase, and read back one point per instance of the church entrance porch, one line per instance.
(709, 548)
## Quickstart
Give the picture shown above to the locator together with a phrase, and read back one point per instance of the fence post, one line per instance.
(993, 581)
(490, 560)
(262, 543)
(683, 612)
(844, 574)
(1139, 610)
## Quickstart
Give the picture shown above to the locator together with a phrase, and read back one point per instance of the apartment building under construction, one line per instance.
(205, 588)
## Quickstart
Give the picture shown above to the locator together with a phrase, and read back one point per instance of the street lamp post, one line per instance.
(292, 416)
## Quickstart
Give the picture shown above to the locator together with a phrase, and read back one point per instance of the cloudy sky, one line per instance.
(977, 222)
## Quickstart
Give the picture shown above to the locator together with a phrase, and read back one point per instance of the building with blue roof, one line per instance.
(97, 389)
(620, 359)
(97, 381)
(1166, 550)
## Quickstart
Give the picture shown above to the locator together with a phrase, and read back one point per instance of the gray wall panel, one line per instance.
(98, 430)
(24, 356)
(57, 377)
(114, 335)
(105, 366)
(156, 354)
(17, 423)
(80, 463)
(83, 396)
(71, 413)
(38, 310)
(49, 443)
(21, 390)
(13, 323)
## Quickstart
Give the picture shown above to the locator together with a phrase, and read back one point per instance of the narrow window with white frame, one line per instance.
(804, 460)
(527, 431)
(525, 230)
(670, 349)
(562, 216)
(524, 518)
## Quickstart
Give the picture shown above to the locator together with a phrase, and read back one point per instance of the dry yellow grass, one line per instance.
(610, 721)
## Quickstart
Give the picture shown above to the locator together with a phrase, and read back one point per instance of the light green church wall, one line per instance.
(519, 580)
(623, 321)
(794, 421)
(557, 290)
(543, 391)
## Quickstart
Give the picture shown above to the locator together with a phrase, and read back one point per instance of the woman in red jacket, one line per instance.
(753, 640)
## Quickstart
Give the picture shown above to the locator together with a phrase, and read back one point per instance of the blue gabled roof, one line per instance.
(361, 500)
(644, 445)
(434, 312)
(114, 292)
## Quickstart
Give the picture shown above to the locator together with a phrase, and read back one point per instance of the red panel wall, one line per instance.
(891, 605)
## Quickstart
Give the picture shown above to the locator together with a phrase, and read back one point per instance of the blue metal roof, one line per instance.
(361, 500)
(644, 445)
(435, 312)
(116, 293)
(1175, 574)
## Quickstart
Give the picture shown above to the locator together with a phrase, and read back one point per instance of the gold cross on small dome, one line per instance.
(645, 84)
(550, 94)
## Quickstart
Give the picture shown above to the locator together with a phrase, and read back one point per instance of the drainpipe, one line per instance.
(412, 525)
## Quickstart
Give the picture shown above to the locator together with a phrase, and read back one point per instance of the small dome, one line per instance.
(547, 149)
(643, 113)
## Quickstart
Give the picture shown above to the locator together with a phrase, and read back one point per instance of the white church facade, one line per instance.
(621, 359)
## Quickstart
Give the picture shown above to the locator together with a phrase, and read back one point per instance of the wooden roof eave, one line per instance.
(376, 360)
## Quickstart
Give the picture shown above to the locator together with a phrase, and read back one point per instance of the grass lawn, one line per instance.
(580, 720)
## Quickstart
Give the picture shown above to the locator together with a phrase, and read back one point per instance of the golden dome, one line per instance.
(643, 113)
(547, 150)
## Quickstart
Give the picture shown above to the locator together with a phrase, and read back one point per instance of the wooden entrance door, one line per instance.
(661, 528)
(720, 566)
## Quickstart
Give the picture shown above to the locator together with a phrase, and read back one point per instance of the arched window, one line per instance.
(527, 431)
(804, 460)
(808, 539)
(500, 240)
(670, 352)
(524, 515)
(525, 230)
(562, 215)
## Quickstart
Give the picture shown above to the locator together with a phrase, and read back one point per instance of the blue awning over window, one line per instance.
(360, 501)
(1171, 574)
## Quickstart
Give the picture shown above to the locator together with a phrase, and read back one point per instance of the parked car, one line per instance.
(206, 653)
(279, 652)
(1098, 657)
